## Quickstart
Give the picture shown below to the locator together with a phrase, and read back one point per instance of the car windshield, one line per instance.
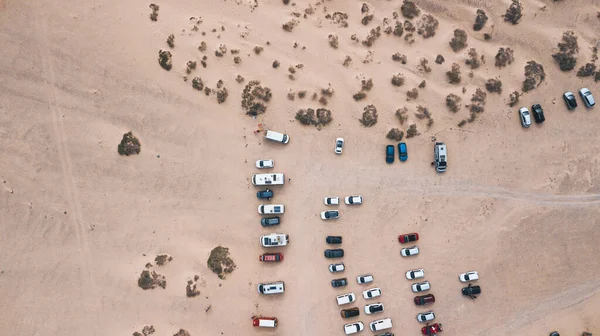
(339, 144)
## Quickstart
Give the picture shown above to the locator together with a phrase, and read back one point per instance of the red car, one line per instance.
(424, 299)
(268, 322)
(431, 329)
(271, 257)
(409, 237)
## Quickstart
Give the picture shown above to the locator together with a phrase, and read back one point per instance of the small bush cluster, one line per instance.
(504, 57)
(409, 10)
(412, 94)
(494, 85)
(412, 132)
(255, 98)
(171, 41)
(427, 26)
(454, 74)
(366, 19)
(398, 79)
(398, 57)
(258, 49)
(289, 26)
(333, 41)
(369, 116)
(459, 41)
(129, 145)
(347, 61)
(514, 98)
(219, 261)
(424, 66)
(453, 102)
(318, 118)
(165, 59)
(439, 59)
(398, 29)
(480, 20)
(514, 12)
(534, 76)
(197, 84)
(395, 134)
(473, 61)
(154, 14)
(566, 57)
(402, 114)
(373, 35)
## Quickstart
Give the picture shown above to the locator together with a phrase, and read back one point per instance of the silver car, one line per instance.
(337, 267)
(525, 117)
(415, 274)
(421, 286)
(339, 145)
(587, 97)
(410, 251)
(426, 316)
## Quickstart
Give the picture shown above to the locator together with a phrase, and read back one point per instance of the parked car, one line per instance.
(431, 329)
(410, 251)
(277, 287)
(440, 157)
(333, 268)
(333, 239)
(386, 334)
(371, 293)
(468, 276)
(569, 98)
(421, 286)
(264, 209)
(274, 240)
(268, 322)
(353, 328)
(382, 324)
(330, 214)
(331, 200)
(265, 164)
(271, 257)
(402, 151)
(334, 253)
(389, 154)
(409, 237)
(350, 312)
(350, 200)
(339, 145)
(426, 299)
(538, 113)
(554, 333)
(363, 279)
(341, 282)
(345, 298)
(587, 97)
(525, 117)
(374, 308)
(471, 291)
(415, 274)
(268, 221)
(265, 194)
(426, 316)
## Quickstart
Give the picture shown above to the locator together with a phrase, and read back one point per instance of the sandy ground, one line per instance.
(78, 222)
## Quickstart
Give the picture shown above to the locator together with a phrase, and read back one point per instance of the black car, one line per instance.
(471, 291)
(570, 100)
(265, 194)
(349, 313)
(538, 113)
(389, 154)
(339, 282)
(333, 240)
(268, 221)
(334, 253)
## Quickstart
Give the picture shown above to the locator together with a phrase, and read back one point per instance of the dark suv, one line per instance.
(538, 113)
(339, 282)
(264, 194)
(471, 291)
(424, 299)
(349, 313)
(335, 253)
(389, 154)
(268, 221)
(333, 240)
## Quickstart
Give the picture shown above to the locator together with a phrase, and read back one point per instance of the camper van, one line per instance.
(268, 179)
(277, 287)
(277, 137)
(440, 157)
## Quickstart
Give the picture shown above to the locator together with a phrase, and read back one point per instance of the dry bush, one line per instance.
(333, 41)
(364, 8)
(477, 104)
(239, 79)
(237, 60)
(409, 39)
(395, 134)
(439, 59)
(258, 50)
(347, 61)
(197, 83)
(276, 64)
(373, 35)
(202, 47)
(462, 123)
(327, 92)
(409, 27)
(409, 10)
(339, 18)
(150, 280)
(514, 12)
(165, 59)
(154, 14)
(534, 76)
(163, 259)
(221, 51)
(289, 26)
(359, 96)
(129, 145)
(171, 41)
(494, 85)
(424, 66)
(301, 94)
(219, 261)
(422, 113)
(566, 57)
(397, 79)
(190, 66)
(286, 2)
(480, 20)
(514, 98)
(422, 84)
(504, 57)
(454, 74)
(369, 116)
(412, 94)
(222, 94)
(453, 102)
(412, 132)
(291, 69)
(597, 77)
(182, 332)
(255, 97)
(402, 114)
(427, 26)
(291, 95)
(318, 118)
(459, 41)
(473, 61)
(146, 331)
(398, 29)
(398, 57)
(367, 84)
(191, 288)
(366, 19)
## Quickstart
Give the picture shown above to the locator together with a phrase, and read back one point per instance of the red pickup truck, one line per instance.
(271, 257)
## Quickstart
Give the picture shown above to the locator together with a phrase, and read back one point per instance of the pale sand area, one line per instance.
(520, 206)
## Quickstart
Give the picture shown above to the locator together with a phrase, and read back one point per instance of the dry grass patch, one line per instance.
(219, 261)
(453, 102)
(369, 116)
(395, 134)
(566, 57)
(534, 76)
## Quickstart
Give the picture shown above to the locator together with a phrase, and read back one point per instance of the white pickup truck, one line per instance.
(274, 240)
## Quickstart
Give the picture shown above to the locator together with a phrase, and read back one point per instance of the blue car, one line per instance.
(389, 154)
(402, 151)
(264, 194)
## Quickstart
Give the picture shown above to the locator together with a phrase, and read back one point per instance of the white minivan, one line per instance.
(265, 209)
(277, 137)
(277, 287)
(382, 324)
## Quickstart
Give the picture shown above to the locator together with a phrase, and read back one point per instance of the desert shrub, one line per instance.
(373, 35)
(219, 261)
(366, 19)
(514, 12)
(504, 57)
(480, 20)
(289, 26)
(409, 27)
(171, 41)
(258, 50)
(347, 61)
(146, 331)
(222, 95)
(412, 94)
(333, 41)
(150, 280)
(129, 145)
(412, 132)
(398, 57)
(255, 97)
(369, 116)
(306, 116)
(359, 96)
(453, 102)
(190, 66)
(197, 83)
(364, 8)
(164, 59)
(318, 118)
(439, 59)
(237, 60)
(477, 104)
(514, 98)
(397, 79)
(422, 84)
(202, 47)
(494, 85)
(339, 18)
(473, 60)
(398, 29)
(424, 65)
(154, 14)
(454, 74)
(462, 123)
(276, 64)
(402, 114)
(597, 77)
(182, 332)
(566, 57)
(286, 2)
(291, 95)
(163, 259)
(459, 41)
(409, 10)
(422, 113)
(367, 84)
(239, 79)
(534, 76)
(427, 25)
(409, 38)
(191, 287)
(395, 134)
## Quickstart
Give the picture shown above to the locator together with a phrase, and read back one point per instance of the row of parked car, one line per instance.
(569, 98)
(335, 214)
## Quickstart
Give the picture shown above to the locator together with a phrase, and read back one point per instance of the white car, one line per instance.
(371, 293)
(337, 267)
(415, 274)
(426, 316)
(339, 145)
(330, 214)
(587, 97)
(265, 209)
(525, 117)
(353, 200)
(331, 200)
(345, 298)
(265, 164)
(353, 328)
(410, 251)
(374, 308)
(363, 279)
(468, 276)
(421, 286)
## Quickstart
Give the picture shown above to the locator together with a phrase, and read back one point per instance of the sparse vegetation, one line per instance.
(258, 49)
(398, 29)
(395, 134)
(219, 261)
(402, 114)
(424, 66)
(397, 79)
(182, 332)
(367, 84)
(422, 84)
(412, 94)
(164, 59)
(190, 66)
(333, 41)
(494, 85)
(276, 64)
(339, 18)
(514, 12)
(453, 102)
(480, 20)
(191, 288)
(514, 98)
(486, 37)
(154, 14)
(398, 57)
(412, 132)
(255, 98)
(409, 27)
(366, 19)
(359, 96)
(347, 61)
(504, 57)
(146, 331)
(369, 116)
(129, 145)
(454, 74)
(239, 79)
(150, 280)
(459, 41)
(477, 104)
(197, 83)
(427, 26)
(171, 41)
(289, 26)
(409, 10)
(422, 113)
(373, 35)
(319, 117)
(237, 60)
(439, 59)
(163, 259)
(534, 76)
(566, 57)
(473, 60)
(597, 77)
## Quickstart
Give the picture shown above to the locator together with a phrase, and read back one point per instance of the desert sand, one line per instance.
(79, 222)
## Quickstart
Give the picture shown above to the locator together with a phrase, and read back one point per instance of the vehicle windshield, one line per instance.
(339, 144)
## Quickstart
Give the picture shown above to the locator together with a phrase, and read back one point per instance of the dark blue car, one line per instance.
(402, 151)
(264, 194)
(389, 154)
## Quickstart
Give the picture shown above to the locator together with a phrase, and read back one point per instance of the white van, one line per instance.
(440, 157)
(278, 137)
(277, 287)
(267, 209)
(268, 179)
(382, 324)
